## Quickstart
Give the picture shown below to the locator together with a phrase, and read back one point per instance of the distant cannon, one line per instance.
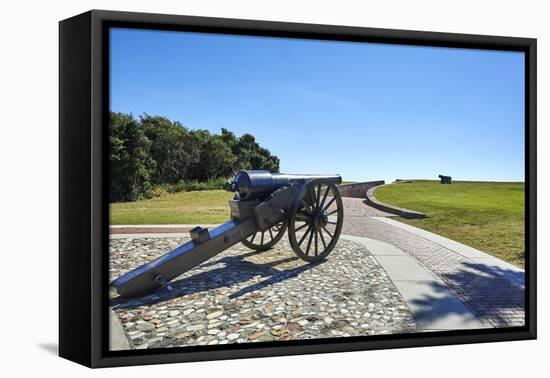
(265, 206)
(445, 179)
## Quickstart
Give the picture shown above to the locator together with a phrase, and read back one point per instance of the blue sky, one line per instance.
(366, 111)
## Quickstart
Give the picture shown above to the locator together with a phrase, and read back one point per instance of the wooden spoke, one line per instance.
(332, 212)
(307, 207)
(330, 227)
(305, 235)
(328, 232)
(318, 197)
(302, 227)
(313, 198)
(263, 243)
(329, 203)
(323, 239)
(309, 242)
(324, 198)
(303, 218)
(316, 243)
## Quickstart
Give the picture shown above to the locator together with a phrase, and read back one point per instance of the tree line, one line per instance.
(152, 154)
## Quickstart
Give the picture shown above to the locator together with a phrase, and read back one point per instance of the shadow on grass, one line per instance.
(233, 271)
(493, 295)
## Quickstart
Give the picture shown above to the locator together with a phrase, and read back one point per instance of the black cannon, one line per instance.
(264, 207)
(445, 179)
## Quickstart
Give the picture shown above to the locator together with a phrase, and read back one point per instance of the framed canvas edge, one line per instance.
(100, 20)
(75, 276)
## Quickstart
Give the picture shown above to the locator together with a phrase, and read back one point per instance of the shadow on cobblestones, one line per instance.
(498, 273)
(232, 271)
(488, 292)
(497, 300)
(436, 307)
(279, 276)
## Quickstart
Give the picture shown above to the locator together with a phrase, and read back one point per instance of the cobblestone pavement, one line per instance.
(246, 296)
(492, 299)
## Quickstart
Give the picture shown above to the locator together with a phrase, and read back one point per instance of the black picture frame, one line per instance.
(84, 190)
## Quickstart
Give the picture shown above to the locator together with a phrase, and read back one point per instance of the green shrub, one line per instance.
(195, 185)
(152, 155)
(156, 191)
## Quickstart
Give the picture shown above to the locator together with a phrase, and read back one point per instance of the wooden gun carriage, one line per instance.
(265, 206)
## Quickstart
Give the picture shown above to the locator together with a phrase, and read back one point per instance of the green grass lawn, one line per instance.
(199, 207)
(488, 216)
(195, 207)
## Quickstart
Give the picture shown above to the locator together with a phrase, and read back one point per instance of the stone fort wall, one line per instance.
(358, 190)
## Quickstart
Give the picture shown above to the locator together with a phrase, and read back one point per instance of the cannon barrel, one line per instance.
(257, 184)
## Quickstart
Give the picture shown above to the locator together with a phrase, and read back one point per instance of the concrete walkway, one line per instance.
(117, 337)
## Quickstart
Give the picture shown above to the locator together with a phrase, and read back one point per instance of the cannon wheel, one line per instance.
(262, 241)
(317, 209)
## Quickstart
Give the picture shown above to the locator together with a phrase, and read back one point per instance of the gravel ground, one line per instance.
(243, 296)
